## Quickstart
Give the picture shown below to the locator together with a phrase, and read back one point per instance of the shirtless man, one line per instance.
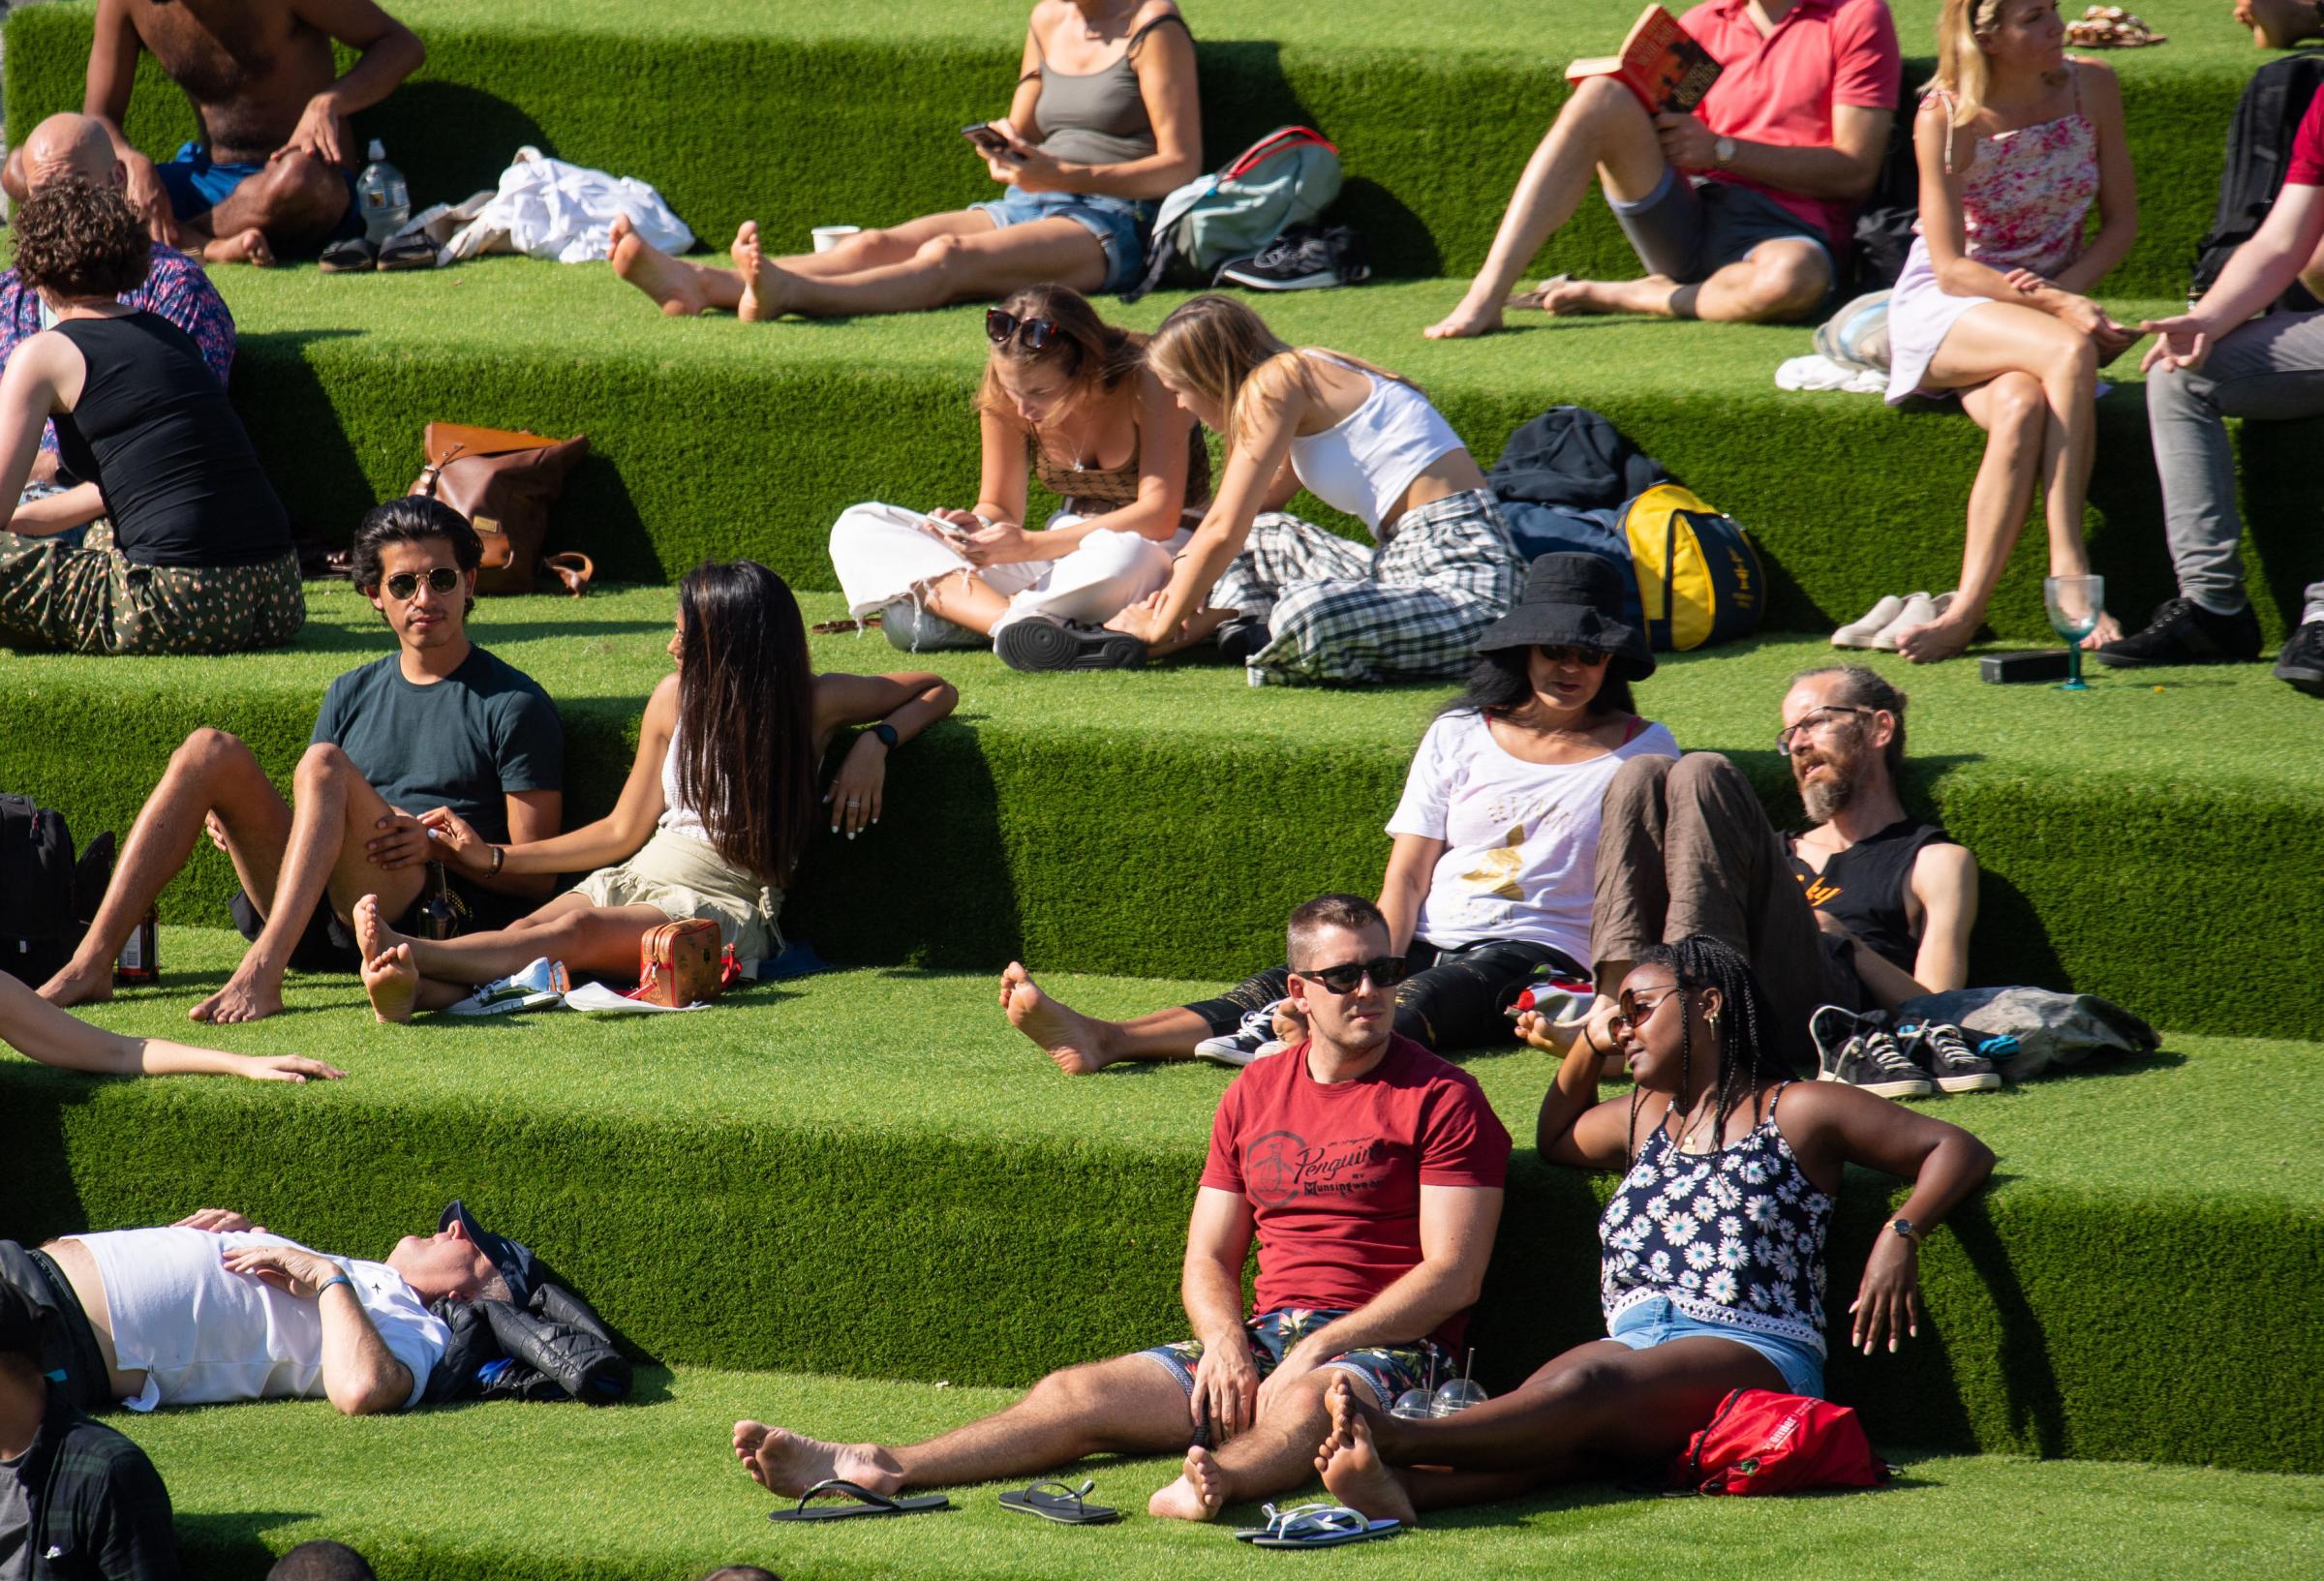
(271, 173)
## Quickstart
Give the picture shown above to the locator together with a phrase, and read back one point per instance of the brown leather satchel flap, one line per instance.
(442, 439)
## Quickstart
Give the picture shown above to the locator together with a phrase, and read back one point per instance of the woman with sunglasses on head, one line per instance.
(1104, 124)
(1712, 1262)
(1295, 603)
(713, 819)
(1490, 878)
(197, 557)
(1066, 399)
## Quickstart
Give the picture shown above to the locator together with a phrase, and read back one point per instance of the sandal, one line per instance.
(347, 256)
(1536, 298)
(1315, 1525)
(412, 251)
(867, 1503)
(1063, 1504)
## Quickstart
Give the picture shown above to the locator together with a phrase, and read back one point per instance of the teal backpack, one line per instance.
(1286, 179)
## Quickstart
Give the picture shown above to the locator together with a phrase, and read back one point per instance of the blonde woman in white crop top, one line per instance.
(1297, 603)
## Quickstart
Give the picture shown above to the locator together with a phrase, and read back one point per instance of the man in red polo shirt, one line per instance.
(1741, 211)
(1369, 1170)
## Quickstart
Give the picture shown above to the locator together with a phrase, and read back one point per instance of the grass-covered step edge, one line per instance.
(713, 437)
(872, 1173)
(1164, 822)
(796, 116)
(647, 1492)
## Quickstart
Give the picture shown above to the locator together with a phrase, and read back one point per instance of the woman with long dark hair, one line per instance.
(1067, 400)
(713, 817)
(1712, 1269)
(1490, 878)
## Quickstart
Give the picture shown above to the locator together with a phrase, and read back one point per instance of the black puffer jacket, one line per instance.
(552, 1348)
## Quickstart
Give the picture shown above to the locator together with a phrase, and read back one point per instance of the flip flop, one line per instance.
(1535, 297)
(351, 254)
(1315, 1525)
(867, 1503)
(408, 252)
(1064, 1506)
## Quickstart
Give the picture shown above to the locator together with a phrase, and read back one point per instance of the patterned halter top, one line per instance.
(2028, 193)
(1734, 1237)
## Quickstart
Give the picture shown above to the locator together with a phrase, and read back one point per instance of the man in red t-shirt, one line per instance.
(2210, 363)
(1741, 211)
(1370, 1172)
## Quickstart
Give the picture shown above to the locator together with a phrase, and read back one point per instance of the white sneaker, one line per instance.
(1859, 633)
(542, 983)
(1254, 1038)
(1919, 609)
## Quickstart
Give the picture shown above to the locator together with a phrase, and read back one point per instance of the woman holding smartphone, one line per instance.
(1066, 399)
(1104, 124)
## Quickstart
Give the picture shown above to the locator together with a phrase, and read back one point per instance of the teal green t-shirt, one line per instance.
(466, 742)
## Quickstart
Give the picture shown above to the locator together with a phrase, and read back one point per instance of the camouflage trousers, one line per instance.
(91, 599)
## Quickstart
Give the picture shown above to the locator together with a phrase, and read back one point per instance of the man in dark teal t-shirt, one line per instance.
(437, 723)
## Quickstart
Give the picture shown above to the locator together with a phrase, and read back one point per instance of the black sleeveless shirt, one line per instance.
(1864, 886)
(154, 431)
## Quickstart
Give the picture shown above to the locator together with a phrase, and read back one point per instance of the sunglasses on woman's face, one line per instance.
(1385, 971)
(441, 580)
(1582, 659)
(1637, 1009)
(1031, 333)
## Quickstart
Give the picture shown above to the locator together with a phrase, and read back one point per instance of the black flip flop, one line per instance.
(347, 256)
(1037, 643)
(1063, 1504)
(867, 1503)
(413, 251)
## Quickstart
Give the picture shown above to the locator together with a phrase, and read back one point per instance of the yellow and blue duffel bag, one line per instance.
(1700, 578)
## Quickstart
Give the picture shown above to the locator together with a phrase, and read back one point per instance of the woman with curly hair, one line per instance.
(199, 559)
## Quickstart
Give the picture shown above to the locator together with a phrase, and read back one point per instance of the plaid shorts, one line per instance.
(1341, 614)
(91, 599)
(1387, 1370)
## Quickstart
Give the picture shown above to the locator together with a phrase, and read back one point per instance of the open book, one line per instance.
(1660, 62)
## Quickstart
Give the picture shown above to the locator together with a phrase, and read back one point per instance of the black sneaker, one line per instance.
(2303, 660)
(2185, 632)
(1037, 643)
(1243, 641)
(1300, 260)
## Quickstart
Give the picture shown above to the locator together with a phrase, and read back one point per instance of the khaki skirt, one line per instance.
(682, 878)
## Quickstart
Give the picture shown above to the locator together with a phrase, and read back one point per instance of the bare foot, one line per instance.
(1075, 1041)
(246, 997)
(671, 282)
(1353, 1471)
(764, 296)
(783, 1462)
(1196, 1493)
(249, 247)
(373, 936)
(392, 982)
(77, 985)
(1933, 641)
(1566, 298)
(1466, 321)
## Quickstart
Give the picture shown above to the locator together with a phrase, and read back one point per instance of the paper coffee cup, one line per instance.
(828, 236)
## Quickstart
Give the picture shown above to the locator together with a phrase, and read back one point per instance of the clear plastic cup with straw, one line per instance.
(1459, 1394)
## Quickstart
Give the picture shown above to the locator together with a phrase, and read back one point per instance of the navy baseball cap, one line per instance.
(513, 1259)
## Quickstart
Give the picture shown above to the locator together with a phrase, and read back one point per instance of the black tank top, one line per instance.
(1864, 886)
(154, 431)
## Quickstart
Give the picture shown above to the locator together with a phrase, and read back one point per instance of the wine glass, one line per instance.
(2075, 605)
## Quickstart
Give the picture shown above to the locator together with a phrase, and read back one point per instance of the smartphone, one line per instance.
(987, 142)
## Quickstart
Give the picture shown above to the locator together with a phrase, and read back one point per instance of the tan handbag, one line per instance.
(679, 964)
(505, 482)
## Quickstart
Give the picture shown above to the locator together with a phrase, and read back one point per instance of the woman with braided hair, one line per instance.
(1712, 1268)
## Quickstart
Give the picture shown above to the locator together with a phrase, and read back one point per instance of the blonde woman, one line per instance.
(2015, 142)
(1295, 603)
(1066, 399)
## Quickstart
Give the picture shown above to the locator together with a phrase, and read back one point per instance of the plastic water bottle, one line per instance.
(383, 197)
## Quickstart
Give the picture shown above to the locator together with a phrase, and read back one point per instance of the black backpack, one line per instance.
(45, 896)
(2259, 146)
(1883, 234)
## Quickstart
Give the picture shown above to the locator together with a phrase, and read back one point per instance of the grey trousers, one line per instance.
(2271, 368)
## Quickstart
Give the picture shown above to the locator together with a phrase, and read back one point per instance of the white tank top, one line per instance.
(1364, 462)
(676, 816)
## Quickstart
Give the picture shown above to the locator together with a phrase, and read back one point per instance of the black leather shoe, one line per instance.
(2303, 660)
(2185, 632)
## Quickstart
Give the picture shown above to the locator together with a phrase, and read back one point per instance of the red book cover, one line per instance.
(1660, 62)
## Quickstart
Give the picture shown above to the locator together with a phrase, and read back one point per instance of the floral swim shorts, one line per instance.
(1387, 1370)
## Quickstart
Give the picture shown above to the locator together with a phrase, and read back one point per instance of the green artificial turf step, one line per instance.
(872, 1173)
(800, 115)
(2137, 839)
(647, 1492)
(713, 437)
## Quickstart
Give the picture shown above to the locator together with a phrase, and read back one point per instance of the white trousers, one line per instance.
(885, 555)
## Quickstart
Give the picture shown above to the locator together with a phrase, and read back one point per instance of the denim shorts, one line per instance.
(1648, 1324)
(1119, 224)
(1390, 1370)
(1688, 230)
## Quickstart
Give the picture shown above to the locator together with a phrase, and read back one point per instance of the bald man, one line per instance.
(276, 157)
(175, 289)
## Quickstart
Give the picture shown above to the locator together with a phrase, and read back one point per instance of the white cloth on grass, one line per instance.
(548, 209)
(1817, 372)
(202, 1335)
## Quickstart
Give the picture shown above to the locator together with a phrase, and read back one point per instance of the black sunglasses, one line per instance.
(1385, 971)
(1031, 333)
(1579, 658)
(441, 580)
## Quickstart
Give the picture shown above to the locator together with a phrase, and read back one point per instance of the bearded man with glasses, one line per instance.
(1866, 908)
(1370, 1173)
(439, 722)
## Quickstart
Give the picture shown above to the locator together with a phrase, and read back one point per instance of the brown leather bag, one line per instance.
(505, 482)
(679, 964)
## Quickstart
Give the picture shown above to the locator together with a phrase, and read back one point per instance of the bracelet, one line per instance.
(336, 1279)
(1591, 1038)
(499, 854)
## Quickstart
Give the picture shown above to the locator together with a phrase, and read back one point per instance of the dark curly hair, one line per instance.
(415, 518)
(77, 239)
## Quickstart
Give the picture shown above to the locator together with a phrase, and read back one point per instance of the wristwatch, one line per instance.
(1721, 151)
(886, 733)
(1906, 1228)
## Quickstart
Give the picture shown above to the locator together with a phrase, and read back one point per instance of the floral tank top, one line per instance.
(2029, 192)
(1734, 1237)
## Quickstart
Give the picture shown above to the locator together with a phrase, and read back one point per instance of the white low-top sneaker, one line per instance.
(1919, 610)
(1858, 633)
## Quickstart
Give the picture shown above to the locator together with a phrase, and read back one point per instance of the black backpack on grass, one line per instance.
(45, 896)
(2259, 148)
